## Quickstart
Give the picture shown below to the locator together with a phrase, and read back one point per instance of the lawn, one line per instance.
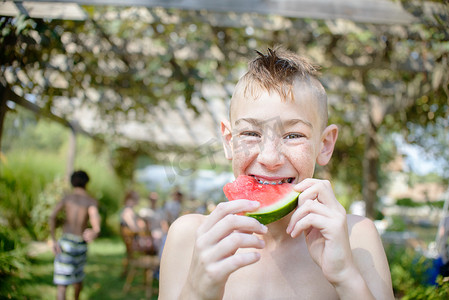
(102, 280)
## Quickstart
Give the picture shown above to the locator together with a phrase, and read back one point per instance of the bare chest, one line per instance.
(276, 276)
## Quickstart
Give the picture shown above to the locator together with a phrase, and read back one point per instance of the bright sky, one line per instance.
(416, 158)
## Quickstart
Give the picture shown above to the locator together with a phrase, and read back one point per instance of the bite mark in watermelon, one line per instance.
(276, 200)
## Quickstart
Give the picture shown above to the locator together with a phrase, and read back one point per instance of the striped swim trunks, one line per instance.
(69, 264)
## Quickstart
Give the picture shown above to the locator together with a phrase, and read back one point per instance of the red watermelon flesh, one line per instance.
(276, 200)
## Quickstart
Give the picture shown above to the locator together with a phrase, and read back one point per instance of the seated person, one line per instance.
(136, 232)
(128, 217)
(155, 217)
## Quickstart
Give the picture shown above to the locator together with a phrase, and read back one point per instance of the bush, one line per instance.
(12, 259)
(408, 202)
(397, 224)
(22, 178)
(411, 274)
(46, 201)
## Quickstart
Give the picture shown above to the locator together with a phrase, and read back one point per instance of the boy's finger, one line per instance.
(321, 190)
(231, 223)
(225, 267)
(310, 206)
(231, 243)
(226, 208)
(311, 220)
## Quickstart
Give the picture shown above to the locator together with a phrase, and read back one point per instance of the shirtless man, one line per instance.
(71, 249)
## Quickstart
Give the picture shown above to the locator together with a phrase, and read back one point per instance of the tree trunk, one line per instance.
(71, 154)
(3, 109)
(370, 170)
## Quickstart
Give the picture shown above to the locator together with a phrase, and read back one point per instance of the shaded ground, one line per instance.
(102, 281)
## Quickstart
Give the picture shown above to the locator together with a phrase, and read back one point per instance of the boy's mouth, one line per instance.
(273, 181)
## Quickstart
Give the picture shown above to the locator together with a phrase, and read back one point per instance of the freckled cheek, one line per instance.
(245, 148)
(302, 160)
(243, 155)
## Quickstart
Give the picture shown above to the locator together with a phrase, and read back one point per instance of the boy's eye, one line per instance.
(250, 133)
(293, 136)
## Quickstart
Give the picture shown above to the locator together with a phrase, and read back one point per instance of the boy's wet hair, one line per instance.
(79, 179)
(277, 71)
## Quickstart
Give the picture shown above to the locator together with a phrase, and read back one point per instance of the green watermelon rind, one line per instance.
(276, 211)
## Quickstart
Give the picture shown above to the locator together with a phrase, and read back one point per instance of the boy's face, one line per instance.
(274, 140)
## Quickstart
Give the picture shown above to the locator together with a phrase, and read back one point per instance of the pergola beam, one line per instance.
(48, 10)
(365, 11)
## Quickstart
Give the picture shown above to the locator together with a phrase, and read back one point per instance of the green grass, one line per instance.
(102, 280)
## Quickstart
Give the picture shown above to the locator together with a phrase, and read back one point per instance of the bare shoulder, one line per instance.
(369, 255)
(362, 232)
(360, 224)
(177, 255)
(89, 200)
(83, 200)
(185, 227)
(182, 233)
(93, 201)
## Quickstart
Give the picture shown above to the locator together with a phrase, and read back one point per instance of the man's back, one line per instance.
(76, 207)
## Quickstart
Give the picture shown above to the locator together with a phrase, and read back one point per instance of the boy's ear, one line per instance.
(226, 136)
(328, 139)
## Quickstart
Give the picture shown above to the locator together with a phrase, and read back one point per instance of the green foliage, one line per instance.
(32, 182)
(397, 224)
(12, 260)
(410, 275)
(168, 53)
(46, 201)
(24, 131)
(408, 202)
(32, 175)
(22, 177)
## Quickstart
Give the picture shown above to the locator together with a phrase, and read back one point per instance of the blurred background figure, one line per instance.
(71, 249)
(443, 251)
(173, 207)
(135, 232)
(155, 218)
(128, 216)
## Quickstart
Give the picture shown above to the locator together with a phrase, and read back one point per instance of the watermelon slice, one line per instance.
(276, 200)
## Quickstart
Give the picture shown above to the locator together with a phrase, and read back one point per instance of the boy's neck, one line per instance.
(277, 230)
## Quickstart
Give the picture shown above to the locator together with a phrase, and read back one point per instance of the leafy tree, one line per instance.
(125, 62)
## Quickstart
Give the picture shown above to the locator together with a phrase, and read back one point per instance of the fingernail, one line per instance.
(289, 229)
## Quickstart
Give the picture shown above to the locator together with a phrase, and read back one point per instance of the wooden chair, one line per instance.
(138, 258)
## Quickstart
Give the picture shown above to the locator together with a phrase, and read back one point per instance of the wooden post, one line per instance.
(3, 109)
(371, 156)
(370, 170)
(71, 153)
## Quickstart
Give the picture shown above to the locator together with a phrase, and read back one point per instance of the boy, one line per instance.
(71, 249)
(277, 132)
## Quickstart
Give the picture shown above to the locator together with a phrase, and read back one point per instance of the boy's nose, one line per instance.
(270, 155)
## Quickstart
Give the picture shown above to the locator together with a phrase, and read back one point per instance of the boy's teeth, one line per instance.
(261, 181)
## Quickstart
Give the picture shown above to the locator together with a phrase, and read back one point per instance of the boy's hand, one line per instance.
(322, 219)
(216, 255)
